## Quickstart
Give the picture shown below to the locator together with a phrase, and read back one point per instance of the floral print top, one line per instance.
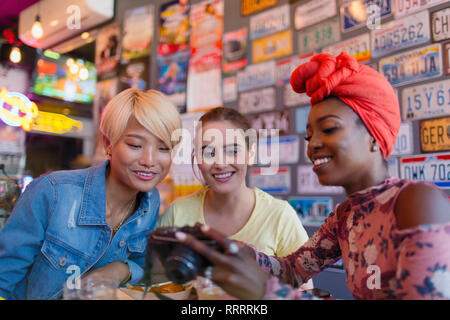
(381, 261)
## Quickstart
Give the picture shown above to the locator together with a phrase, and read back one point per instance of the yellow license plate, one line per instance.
(251, 6)
(435, 135)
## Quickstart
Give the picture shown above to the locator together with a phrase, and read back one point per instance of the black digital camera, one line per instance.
(181, 263)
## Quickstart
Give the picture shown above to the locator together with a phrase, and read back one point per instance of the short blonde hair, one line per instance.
(152, 109)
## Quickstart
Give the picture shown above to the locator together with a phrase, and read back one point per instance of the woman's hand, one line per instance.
(236, 270)
(116, 271)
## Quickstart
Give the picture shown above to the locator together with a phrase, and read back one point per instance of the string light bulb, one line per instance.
(36, 30)
(15, 55)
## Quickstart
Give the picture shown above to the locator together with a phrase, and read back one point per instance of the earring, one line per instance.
(375, 148)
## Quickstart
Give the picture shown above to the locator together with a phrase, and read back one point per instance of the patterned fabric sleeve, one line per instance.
(423, 270)
(321, 250)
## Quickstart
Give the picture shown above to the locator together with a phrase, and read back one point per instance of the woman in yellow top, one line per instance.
(223, 150)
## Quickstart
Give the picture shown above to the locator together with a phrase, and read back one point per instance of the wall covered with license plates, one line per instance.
(408, 41)
(262, 41)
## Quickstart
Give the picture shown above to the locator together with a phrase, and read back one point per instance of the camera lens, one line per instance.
(183, 265)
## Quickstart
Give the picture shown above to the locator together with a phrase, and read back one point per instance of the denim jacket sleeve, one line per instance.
(136, 259)
(22, 236)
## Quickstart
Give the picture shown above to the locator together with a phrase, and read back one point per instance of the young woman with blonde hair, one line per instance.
(95, 219)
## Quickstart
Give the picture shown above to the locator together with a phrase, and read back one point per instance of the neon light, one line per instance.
(52, 54)
(21, 110)
(55, 123)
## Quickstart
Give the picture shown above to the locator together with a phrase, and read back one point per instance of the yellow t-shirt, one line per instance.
(273, 227)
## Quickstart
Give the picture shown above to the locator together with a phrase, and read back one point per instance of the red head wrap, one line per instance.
(360, 87)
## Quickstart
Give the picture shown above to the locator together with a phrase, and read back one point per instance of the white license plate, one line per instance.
(270, 122)
(319, 36)
(413, 66)
(256, 76)
(285, 67)
(400, 34)
(292, 98)
(257, 100)
(405, 7)
(308, 183)
(404, 142)
(313, 12)
(440, 24)
(285, 149)
(352, 19)
(229, 88)
(426, 101)
(433, 168)
(359, 47)
(269, 22)
(280, 182)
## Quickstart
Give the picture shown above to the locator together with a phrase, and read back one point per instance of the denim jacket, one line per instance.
(58, 228)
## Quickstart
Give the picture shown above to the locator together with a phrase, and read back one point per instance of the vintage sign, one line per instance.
(257, 100)
(412, 66)
(400, 34)
(434, 168)
(256, 76)
(301, 119)
(229, 89)
(287, 149)
(318, 36)
(440, 25)
(271, 122)
(205, 63)
(292, 98)
(435, 135)
(172, 77)
(280, 182)
(308, 183)
(269, 22)
(285, 67)
(17, 110)
(234, 51)
(313, 12)
(446, 47)
(173, 27)
(358, 13)
(252, 6)
(272, 47)
(137, 32)
(405, 7)
(359, 47)
(426, 101)
(404, 142)
(312, 211)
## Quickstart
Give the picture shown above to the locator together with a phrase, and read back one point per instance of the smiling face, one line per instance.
(339, 146)
(222, 156)
(139, 160)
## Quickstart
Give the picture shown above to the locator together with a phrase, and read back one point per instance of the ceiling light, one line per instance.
(36, 30)
(85, 35)
(54, 23)
(15, 55)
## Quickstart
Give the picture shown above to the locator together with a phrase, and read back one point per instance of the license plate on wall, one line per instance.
(426, 101)
(352, 18)
(440, 27)
(433, 168)
(400, 34)
(413, 66)
(435, 135)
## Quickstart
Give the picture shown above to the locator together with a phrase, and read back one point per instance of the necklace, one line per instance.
(127, 212)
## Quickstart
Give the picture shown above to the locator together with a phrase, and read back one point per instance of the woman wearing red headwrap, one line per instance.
(393, 235)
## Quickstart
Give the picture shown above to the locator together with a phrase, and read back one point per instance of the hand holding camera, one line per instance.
(234, 267)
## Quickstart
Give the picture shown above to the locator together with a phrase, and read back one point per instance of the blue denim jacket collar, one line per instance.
(93, 203)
